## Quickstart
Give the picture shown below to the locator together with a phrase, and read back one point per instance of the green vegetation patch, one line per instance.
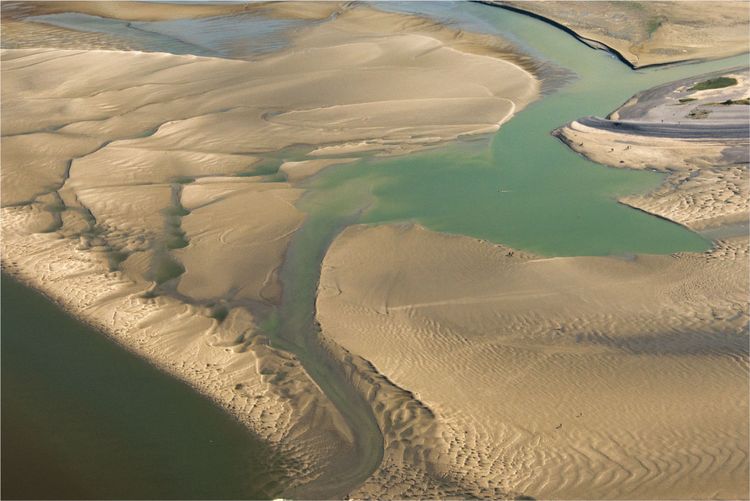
(699, 113)
(654, 24)
(744, 100)
(714, 83)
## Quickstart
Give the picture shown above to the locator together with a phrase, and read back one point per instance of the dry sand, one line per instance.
(237, 232)
(491, 373)
(584, 377)
(133, 192)
(649, 33)
(707, 182)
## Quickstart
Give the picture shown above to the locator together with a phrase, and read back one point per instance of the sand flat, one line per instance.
(564, 377)
(34, 164)
(237, 233)
(146, 119)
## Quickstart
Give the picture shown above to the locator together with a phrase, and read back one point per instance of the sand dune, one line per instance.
(568, 377)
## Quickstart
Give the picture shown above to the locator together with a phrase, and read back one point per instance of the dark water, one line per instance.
(83, 418)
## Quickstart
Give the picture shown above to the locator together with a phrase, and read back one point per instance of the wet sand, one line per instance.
(567, 377)
(98, 422)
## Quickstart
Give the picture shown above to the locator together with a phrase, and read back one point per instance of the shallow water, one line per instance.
(122, 30)
(241, 36)
(525, 188)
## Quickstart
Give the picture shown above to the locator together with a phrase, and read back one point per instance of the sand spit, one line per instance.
(649, 33)
(584, 377)
(698, 137)
(139, 191)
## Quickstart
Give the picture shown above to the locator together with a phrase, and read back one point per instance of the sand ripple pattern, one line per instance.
(566, 378)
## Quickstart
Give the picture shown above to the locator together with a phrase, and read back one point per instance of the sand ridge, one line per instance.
(147, 172)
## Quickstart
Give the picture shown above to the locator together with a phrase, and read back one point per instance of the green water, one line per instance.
(525, 188)
(84, 419)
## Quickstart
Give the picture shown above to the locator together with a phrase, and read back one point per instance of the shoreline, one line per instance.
(91, 354)
(692, 137)
(111, 312)
(531, 330)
